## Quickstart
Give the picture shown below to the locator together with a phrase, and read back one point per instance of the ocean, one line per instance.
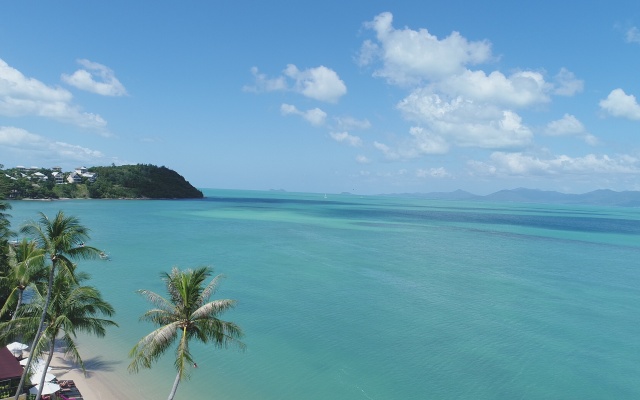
(375, 297)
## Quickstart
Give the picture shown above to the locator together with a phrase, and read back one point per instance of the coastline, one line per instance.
(98, 383)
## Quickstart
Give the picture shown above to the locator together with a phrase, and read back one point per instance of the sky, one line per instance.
(362, 96)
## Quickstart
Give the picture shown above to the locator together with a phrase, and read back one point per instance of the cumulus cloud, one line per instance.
(345, 137)
(620, 104)
(26, 146)
(314, 116)
(521, 164)
(520, 89)
(95, 78)
(451, 101)
(319, 83)
(361, 159)
(23, 96)
(467, 123)
(569, 125)
(410, 56)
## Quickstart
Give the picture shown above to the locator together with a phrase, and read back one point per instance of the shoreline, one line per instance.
(98, 383)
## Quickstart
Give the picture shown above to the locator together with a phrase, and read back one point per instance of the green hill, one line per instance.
(141, 181)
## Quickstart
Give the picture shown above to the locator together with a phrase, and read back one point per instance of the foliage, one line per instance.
(115, 182)
(187, 314)
(5, 235)
(73, 308)
(62, 239)
(26, 270)
(140, 181)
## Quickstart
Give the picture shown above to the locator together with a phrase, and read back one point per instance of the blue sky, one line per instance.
(335, 96)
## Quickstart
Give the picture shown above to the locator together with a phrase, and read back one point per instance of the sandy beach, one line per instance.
(98, 383)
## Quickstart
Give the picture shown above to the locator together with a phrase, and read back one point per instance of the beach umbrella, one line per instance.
(38, 374)
(16, 348)
(48, 388)
(36, 365)
(38, 368)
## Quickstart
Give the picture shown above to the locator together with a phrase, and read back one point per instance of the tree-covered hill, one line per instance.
(141, 181)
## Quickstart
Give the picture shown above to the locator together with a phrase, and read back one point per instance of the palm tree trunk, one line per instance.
(175, 387)
(20, 291)
(39, 331)
(44, 372)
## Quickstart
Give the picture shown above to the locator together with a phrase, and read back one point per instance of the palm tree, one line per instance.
(62, 240)
(5, 231)
(187, 314)
(73, 308)
(26, 269)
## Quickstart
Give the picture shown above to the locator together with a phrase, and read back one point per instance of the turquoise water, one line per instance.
(378, 297)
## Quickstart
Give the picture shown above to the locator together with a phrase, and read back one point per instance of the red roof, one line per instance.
(9, 366)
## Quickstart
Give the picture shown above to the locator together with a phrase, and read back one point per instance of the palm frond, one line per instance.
(152, 346)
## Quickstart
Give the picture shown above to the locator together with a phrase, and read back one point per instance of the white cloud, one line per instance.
(633, 35)
(264, 84)
(410, 56)
(361, 159)
(22, 96)
(458, 105)
(348, 123)
(567, 84)
(345, 137)
(421, 142)
(467, 123)
(569, 125)
(520, 89)
(95, 78)
(314, 116)
(32, 148)
(320, 83)
(433, 173)
(620, 104)
(520, 164)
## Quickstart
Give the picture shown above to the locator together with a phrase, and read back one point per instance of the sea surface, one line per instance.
(367, 297)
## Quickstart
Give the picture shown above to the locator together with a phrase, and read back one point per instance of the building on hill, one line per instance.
(58, 177)
(74, 177)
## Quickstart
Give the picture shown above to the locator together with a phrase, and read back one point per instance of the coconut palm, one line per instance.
(62, 239)
(73, 308)
(187, 314)
(5, 232)
(26, 269)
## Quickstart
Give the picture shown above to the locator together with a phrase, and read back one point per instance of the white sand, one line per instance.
(98, 383)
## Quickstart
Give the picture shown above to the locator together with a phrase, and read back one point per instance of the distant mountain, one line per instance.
(602, 197)
(456, 195)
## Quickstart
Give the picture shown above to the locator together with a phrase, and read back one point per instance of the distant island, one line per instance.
(141, 181)
(603, 197)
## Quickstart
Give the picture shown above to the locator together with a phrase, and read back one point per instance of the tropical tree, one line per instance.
(5, 231)
(62, 239)
(73, 308)
(26, 269)
(187, 314)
